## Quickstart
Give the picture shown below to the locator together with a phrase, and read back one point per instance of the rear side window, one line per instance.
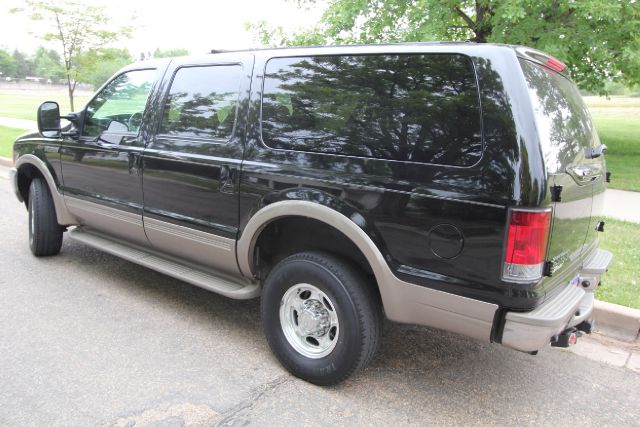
(202, 102)
(419, 108)
(562, 118)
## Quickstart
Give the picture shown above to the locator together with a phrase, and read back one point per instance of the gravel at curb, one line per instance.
(617, 321)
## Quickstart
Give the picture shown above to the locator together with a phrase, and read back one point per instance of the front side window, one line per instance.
(408, 107)
(120, 105)
(202, 102)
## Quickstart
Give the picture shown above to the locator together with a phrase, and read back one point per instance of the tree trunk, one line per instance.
(71, 89)
(71, 99)
(482, 28)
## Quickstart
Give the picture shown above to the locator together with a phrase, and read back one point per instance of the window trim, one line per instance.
(165, 97)
(107, 83)
(412, 162)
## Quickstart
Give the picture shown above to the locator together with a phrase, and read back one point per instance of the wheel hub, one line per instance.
(309, 320)
(313, 319)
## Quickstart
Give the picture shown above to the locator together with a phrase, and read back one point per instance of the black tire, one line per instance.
(357, 307)
(45, 234)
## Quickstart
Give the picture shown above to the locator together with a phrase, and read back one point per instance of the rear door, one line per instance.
(191, 165)
(567, 137)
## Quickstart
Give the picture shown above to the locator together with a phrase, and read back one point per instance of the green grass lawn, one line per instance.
(7, 136)
(617, 120)
(23, 104)
(621, 284)
(622, 137)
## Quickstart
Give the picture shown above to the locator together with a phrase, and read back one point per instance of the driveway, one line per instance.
(89, 339)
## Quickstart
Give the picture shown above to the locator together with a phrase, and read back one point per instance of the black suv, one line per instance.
(452, 185)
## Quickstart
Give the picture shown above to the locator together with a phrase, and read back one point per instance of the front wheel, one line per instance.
(321, 316)
(45, 234)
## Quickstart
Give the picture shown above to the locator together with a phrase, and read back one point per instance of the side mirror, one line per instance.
(49, 120)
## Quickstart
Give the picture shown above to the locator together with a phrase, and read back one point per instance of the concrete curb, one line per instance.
(5, 161)
(617, 321)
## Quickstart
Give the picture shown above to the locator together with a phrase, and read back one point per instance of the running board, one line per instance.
(221, 283)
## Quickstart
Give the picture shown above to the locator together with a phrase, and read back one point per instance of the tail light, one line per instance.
(552, 63)
(527, 240)
(555, 65)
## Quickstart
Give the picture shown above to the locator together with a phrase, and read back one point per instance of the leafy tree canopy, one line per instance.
(48, 64)
(170, 53)
(8, 64)
(98, 65)
(599, 40)
(24, 65)
(76, 28)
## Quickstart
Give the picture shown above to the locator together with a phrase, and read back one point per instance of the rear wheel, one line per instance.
(321, 316)
(45, 234)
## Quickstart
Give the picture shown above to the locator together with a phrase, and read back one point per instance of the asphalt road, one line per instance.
(89, 339)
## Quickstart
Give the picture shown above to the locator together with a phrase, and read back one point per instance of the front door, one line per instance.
(102, 180)
(191, 165)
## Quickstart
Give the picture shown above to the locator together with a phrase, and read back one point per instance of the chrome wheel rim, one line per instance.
(309, 321)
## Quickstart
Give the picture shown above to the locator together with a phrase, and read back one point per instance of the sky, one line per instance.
(198, 26)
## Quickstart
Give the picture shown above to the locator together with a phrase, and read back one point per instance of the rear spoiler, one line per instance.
(542, 59)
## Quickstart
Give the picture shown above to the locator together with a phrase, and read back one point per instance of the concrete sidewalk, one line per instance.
(18, 123)
(622, 204)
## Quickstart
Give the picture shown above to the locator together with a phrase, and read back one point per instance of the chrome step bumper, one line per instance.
(598, 263)
(533, 330)
(593, 268)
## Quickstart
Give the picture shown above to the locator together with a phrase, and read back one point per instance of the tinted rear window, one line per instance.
(202, 102)
(419, 108)
(562, 119)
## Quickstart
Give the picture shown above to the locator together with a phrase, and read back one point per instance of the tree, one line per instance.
(48, 64)
(24, 66)
(76, 28)
(97, 65)
(599, 40)
(170, 53)
(8, 65)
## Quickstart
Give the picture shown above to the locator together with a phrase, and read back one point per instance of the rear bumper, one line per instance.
(533, 330)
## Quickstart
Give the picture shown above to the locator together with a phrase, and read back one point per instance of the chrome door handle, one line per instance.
(226, 179)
